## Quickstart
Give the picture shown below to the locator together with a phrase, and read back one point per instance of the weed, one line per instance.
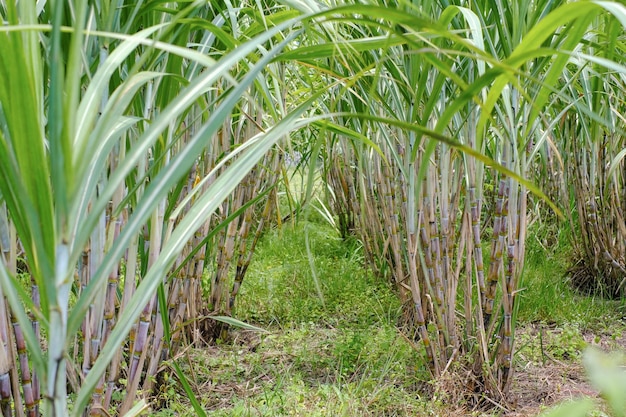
(568, 342)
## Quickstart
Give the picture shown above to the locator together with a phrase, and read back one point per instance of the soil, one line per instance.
(538, 387)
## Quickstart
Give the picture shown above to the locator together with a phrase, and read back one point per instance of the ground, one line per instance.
(272, 374)
(554, 381)
(343, 354)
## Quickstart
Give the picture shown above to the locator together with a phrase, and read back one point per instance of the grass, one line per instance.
(309, 371)
(282, 290)
(342, 354)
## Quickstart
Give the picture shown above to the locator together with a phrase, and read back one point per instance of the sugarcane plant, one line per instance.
(591, 136)
(138, 166)
(122, 131)
(459, 118)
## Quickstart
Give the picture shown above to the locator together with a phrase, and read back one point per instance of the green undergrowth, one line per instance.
(281, 288)
(333, 346)
(308, 371)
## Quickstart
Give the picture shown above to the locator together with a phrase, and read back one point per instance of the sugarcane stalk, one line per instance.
(156, 353)
(500, 232)
(414, 218)
(140, 344)
(6, 364)
(27, 388)
(506, 347)
(56, 395)
(390, 216)
(10, 396)
(93, 321)
(225, 253)
(37, 331)
(178, 295)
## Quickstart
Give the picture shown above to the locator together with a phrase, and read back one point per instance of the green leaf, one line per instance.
(197, 407)
(579, 408)
(607, 374)
(237, 323)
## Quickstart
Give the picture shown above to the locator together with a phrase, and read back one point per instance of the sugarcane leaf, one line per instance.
(231, 321)
(164, 311)
(138, 151)
(347, 132)
(462, 147)
(58, 138)
(616, 9)
(475, 27)
(577, 408)
(616, 162)
(137, 409)
(222, 225)
(89, 105)
(109, 128)
(197, 407)
(534, 40)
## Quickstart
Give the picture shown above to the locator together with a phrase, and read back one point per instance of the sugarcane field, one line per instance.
(313, 208)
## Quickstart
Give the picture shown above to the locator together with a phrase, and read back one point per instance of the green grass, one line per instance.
(281, 289)
(556, 322)
(308, 370)
(340, 356)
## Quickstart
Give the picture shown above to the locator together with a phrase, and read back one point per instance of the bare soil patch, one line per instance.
(543, 382)
(539, 386)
